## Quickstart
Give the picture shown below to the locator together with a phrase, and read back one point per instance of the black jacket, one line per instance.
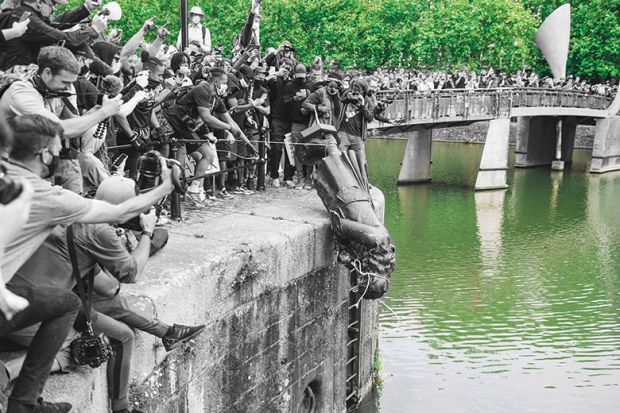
(43, 32)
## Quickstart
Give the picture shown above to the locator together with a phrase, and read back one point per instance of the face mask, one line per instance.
(184, 70)
(116, 67)
(196, 19)
(221, 90)
(51, 167)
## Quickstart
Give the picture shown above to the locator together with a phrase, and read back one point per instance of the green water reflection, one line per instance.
(502, 301)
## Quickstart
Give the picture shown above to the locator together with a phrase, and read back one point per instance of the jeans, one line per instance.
(118, 309)
(279, 128)
(122, 338)
(356, 144)
(56, 309)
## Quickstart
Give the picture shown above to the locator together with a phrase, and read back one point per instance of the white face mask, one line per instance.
(195, 19)
(221, 89)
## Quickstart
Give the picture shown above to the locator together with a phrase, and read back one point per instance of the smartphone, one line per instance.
(24, 16)
(116, 163)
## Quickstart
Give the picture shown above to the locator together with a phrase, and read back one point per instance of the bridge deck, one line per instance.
(464, 105)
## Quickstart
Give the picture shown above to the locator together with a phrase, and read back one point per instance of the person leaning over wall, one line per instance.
(34, 157)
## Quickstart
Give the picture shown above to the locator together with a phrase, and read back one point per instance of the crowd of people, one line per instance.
(80, 117)
(426, 81)
(81, 197)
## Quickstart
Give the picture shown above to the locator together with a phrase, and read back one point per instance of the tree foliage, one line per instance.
(432, 34)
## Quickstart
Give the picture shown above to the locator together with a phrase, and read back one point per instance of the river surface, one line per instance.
(503, 301)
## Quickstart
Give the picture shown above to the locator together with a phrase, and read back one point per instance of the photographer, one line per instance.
(279, 122)
(295, 93)
(99, 245)
(47, 94)
(21, 307)
(42, 31)
(355, 116)
(135, 128)
(34, 157)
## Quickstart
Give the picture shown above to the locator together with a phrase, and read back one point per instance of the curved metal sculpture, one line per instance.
(364, 244)
(552, 39)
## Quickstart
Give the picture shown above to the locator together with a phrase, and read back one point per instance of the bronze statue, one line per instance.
(363, 242)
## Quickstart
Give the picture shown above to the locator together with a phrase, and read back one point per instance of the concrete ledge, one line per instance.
(271, 331)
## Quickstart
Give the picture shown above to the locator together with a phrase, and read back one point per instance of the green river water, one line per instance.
(502, 301)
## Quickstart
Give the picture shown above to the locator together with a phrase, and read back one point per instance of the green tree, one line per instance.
(431, 34)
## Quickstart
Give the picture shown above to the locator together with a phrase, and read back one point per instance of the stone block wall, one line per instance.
(261, 275)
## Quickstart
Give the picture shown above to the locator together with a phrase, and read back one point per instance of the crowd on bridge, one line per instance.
(421, 81)
(87, 127)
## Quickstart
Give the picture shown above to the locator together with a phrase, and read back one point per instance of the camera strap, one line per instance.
(86, 295)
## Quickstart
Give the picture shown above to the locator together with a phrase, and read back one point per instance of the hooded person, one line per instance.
(295, 93)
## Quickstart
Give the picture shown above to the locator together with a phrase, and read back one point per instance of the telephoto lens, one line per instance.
(149, 168)
(9, 189)
(149, 172)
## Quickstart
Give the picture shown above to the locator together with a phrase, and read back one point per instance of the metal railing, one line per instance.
(411, 107)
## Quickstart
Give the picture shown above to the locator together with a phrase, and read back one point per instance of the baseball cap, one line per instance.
(116, 189)
(300, 71)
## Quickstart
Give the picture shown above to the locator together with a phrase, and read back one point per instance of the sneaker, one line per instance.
(45, 407)
(237, 190)
(224, 195)
(308, 184)
(246, 191)
(197, 197)
(162, 220)
(275, 183)
(179, 335)
(251, 184)
(289, 183)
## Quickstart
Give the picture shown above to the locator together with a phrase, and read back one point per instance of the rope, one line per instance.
(357, 266)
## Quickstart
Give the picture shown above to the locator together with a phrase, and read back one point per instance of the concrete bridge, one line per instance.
(546, 124)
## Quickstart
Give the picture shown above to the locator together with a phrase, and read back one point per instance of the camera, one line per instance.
(149, 177)
(90, 349)
(149, 172)
(9, 189)
(383, 104)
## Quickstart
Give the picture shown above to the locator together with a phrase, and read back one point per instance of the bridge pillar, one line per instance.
(416, 165)
(606, 148)
(494, 162)
(565, 143)
(536, 138)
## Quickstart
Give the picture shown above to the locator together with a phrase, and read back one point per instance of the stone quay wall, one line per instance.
(261, 274)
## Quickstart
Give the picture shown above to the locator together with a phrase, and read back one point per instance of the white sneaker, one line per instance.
(162, 220)
(198, 197)
(275, 183)
(290, 183)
